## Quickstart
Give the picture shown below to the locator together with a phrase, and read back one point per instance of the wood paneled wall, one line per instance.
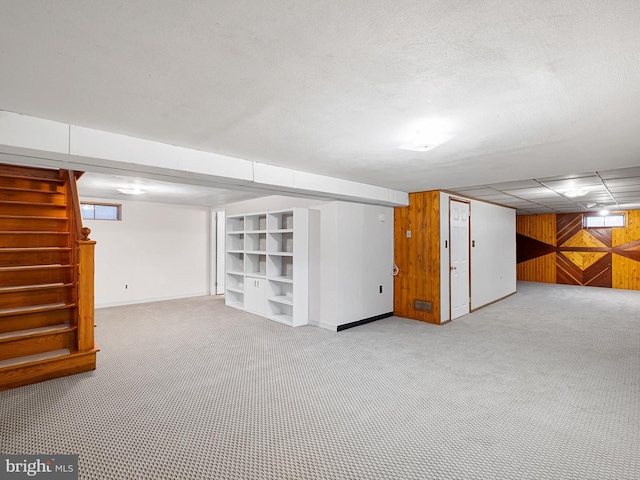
(557, 249)
(626, 268)
(418, 257)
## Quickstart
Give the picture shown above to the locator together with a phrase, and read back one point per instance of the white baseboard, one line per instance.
(149, 300)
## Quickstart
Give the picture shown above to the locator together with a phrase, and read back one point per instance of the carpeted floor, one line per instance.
(543, 385)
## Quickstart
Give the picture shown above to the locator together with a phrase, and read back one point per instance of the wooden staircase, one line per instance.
(46, 278)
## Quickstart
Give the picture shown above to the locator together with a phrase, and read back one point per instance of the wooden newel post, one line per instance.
(86, 250)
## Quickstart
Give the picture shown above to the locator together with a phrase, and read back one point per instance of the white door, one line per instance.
(459, 258)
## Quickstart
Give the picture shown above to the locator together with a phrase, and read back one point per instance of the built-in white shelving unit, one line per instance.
(268, 264)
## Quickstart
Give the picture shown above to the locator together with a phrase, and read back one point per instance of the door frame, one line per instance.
(468, 202)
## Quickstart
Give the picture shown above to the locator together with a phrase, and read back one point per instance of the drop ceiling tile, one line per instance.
(621, 182)
(620, 173)
(527, 192)
(515, 185)
(476, 192)
(574, 183)
(567, 177)
(625, 189)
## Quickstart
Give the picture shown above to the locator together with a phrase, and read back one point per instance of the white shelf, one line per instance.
(231, 272)
(235, 251)
(283, 230)
(282, 279)
(255, 275)
(236, 232)
(281, 254)
(282, 299)
(255, 252)
(237, 290)
(237, 305)
(286, 319)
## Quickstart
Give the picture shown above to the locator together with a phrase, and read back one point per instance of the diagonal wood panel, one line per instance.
(584, 260)
(584, 239)
(528, 248)
(567, 225)
(567, 272)
(599, 273)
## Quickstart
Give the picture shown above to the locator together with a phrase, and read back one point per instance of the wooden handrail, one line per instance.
(84, 268)
(71, 177)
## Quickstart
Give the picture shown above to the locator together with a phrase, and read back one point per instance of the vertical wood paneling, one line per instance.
(626, 273)
(631, 233)
(418, 257)
(541, 269)
(538, 227)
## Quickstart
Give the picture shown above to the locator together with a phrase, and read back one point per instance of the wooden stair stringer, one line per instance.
(40, 370)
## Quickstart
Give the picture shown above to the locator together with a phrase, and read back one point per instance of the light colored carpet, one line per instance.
(543, 385)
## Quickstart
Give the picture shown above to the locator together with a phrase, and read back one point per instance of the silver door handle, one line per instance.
(452, 268)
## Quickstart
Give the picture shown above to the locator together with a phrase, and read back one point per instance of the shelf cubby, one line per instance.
(235, 262)
(256, 222)
(280, 267)
(234, 299)
(235, 282)
(256, 242)
(281, 220)
(256, 264)
(235, 223)
(280, 242)
(235, 241)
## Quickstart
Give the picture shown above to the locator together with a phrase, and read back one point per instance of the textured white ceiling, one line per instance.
(532, 89)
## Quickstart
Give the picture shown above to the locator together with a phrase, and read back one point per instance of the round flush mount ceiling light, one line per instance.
(130, 191)
(576, 192)
(425, 141)
(427, 135)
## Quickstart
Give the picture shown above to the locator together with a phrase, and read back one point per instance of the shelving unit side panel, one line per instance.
(300, 266)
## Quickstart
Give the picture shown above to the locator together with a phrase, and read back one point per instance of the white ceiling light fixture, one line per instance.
(428, 135)
(576, 192)
(423, 142)
(130, 191)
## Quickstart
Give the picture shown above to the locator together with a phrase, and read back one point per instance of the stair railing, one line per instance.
(84, 269)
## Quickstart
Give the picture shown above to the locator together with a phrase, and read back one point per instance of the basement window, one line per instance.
(614, 220)
(101, 211)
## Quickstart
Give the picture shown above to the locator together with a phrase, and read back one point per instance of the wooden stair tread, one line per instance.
(20, 268)
(40, 286)
(32, 190)
(33, 249)
(33, 232)
(38, 357)
(40, 204)
(33, 332)
(33, 177)
(4, 312)
(31, 217)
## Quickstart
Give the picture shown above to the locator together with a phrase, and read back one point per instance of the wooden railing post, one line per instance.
(86, 269)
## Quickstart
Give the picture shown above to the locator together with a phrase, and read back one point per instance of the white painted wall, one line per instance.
(356, 257)
(160, 251)
(493, 259)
